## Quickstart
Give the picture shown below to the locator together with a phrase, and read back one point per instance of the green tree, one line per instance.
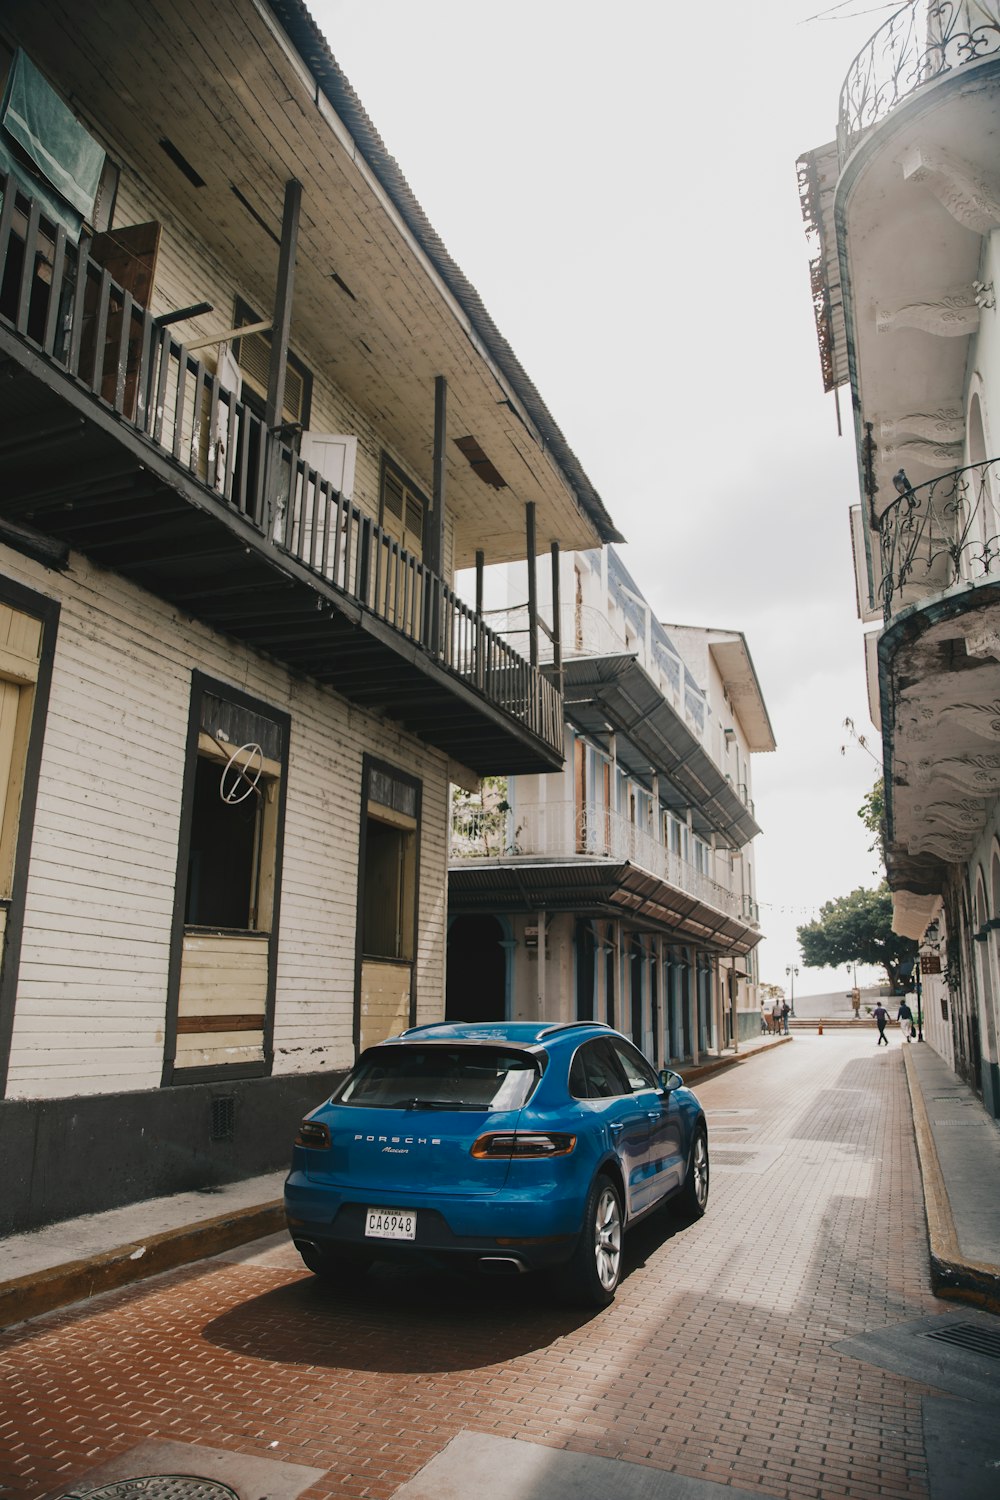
(872, 814)
(856, 929)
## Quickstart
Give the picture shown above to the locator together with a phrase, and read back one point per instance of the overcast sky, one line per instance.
(618, 183)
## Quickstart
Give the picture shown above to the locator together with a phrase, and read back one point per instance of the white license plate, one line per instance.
(390, 1224)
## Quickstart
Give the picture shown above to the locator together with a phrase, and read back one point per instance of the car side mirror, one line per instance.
(669, 1080)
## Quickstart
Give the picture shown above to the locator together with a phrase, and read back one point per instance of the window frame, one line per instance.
(389, 466)
(47, 611)
(370, 766)
(202, 685)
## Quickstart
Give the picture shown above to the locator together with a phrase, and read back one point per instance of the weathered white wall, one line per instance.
(91, 998)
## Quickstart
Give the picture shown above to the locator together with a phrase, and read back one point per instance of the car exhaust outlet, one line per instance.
(500, 1265)
(306, 1245)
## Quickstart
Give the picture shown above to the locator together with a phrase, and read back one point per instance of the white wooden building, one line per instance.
(903, 214)
(622, 887)
(254, 419)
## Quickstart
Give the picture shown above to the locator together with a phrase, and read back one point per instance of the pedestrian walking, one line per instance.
(881, 1018)
(776, 1016)
(905, 1018)
(786, 1011)
(763, 1018)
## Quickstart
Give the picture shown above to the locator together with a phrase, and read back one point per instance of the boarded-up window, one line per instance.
(229, 870)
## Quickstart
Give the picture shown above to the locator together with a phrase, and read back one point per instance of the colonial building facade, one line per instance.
(254, 419)
(621, 888)
(904, 213)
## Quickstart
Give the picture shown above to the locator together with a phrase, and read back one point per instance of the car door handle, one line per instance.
(616, 1129)
(654, 1114)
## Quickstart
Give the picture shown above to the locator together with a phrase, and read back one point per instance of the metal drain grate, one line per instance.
(732, 1158)
(969, 1336)
(157, 1487)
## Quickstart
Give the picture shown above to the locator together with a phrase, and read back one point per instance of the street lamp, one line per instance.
(791, 971)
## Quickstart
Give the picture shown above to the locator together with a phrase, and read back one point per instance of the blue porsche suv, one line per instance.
(509, 1146)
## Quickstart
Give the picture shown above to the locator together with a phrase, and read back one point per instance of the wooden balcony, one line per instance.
(117, 441)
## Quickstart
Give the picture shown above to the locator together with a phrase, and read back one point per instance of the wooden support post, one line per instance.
(280, 329)
(480, 637)
(434, 524)
(529, 527)
(556, 619)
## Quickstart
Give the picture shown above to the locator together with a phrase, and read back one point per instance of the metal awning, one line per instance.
(609, 889)
(614, 694)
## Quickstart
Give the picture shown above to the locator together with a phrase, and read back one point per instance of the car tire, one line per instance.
(693, 1199)
(592, 1274)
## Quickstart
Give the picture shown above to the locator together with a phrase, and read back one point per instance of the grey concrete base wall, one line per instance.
(749, 1024)
(991, 1087)
(63, 1157)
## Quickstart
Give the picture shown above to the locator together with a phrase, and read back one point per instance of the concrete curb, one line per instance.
(952, 1276)
(79, 1280)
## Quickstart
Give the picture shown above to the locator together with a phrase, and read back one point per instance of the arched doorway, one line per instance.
(476, 987)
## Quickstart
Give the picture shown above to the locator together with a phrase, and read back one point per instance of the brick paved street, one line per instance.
(715, 1361)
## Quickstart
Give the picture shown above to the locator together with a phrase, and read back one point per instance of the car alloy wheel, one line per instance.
(694, 1195)
(608, 1238)
(594, 1270)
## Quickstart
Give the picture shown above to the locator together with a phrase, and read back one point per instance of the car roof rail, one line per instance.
(572, 1026)
(426, 1026)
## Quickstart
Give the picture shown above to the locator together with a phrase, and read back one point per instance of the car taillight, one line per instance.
(312, 1133)
(508, 1144)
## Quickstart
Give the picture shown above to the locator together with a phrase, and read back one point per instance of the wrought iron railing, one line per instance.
(66, 306)
(562, 830)
(920, 42)
(939, 534)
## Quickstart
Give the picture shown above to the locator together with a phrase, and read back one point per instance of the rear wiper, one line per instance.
(436, 1104)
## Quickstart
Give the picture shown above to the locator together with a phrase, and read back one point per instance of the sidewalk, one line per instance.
(959, 1148)
(958, 1144)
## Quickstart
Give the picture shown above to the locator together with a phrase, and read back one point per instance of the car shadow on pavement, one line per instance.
(410, 1320)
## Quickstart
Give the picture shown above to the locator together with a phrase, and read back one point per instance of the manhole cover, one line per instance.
(969, 1336)
(157, 1487)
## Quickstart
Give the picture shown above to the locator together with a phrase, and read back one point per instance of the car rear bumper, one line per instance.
(489, 1234)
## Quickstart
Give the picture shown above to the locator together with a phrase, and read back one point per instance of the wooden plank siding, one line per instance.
(92, 991)
(223, 999)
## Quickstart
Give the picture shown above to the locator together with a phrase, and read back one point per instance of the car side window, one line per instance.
(594, 1074)
(637, 1070)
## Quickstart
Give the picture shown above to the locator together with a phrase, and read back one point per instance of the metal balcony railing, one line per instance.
(563, 830)
(940, 533)
(66, 307)
(922, 41)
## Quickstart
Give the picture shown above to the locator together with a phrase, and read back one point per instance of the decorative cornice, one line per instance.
(944, 426)
(932, 455)
(945, 846)
(952, 316)
(971, 199)
(982, 718)
(967, 816)
(971, 773)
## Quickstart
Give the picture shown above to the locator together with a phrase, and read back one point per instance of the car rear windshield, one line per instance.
(441, 1077)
